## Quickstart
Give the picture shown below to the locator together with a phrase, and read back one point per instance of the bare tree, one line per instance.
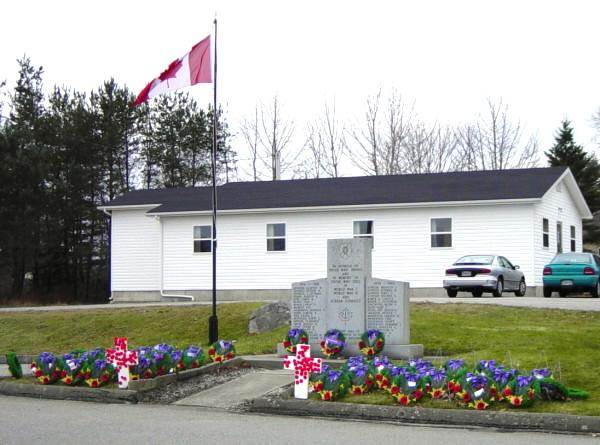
(428, 149)
(327, 144)
(275, 135)
(250, 132)
(494, 142)
(596, 124)
(379, 140)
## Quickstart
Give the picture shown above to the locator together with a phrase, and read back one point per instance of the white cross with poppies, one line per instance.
(122, 359)
(302, 365)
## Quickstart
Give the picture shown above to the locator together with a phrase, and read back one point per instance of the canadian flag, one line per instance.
(190, 69)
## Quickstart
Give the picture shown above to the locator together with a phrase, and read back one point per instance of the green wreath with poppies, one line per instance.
(371, 342)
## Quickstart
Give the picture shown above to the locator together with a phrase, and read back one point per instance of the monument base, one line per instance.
(397, 352)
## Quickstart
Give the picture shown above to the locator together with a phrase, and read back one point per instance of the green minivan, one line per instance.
(572, 272)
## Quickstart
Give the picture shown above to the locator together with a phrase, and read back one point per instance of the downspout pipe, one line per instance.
(162, 291)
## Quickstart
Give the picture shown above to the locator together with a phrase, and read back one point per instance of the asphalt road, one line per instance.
(569, 303)
(28, 421)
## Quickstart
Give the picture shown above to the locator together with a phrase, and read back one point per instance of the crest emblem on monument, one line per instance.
(345, 315)
(345, 250)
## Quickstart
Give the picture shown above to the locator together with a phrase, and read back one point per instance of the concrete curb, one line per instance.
(158, 382)
(102, 395)
(562, 423)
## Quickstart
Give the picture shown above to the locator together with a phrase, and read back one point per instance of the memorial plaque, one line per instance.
(388, 309)
(350, 300)
(348, 264)
(309, 300)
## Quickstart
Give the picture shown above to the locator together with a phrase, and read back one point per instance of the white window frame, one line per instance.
(364, 235)
(559, 237)
(194, 239)
(546, 232)
(573, 233)
(284, 237)
(431, 233)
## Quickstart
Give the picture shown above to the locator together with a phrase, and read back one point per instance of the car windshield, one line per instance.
(475, 259)
(571, 258)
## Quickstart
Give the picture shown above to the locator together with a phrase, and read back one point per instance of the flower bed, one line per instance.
(94, 370)
(408, 383)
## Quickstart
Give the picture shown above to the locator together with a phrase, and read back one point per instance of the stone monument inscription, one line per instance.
(351, 300)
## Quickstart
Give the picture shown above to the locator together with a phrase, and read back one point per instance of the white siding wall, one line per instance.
(402, 246)
(135, 264)
(556, 206)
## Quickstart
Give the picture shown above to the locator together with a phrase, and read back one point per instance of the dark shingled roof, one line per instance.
(404, 189)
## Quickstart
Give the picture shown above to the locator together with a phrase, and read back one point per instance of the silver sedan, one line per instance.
(484, 273)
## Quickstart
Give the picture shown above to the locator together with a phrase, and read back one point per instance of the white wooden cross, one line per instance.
(302, 365)
(122, 359)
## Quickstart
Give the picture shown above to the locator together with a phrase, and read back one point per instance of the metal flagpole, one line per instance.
(213, 321)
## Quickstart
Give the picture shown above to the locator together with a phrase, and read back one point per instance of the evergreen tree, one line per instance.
(585, 169)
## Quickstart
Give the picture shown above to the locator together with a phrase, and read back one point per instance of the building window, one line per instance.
(441, 232)
(363, 229)
(276, 237)
(545, 233)
(202, 239)
(559, 248)
(573, 238)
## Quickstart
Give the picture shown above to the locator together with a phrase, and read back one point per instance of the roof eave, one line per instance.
(575, 191)
(353, 207)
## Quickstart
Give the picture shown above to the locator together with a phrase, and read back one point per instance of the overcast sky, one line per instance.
(540, 57)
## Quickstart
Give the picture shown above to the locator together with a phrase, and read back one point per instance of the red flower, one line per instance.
(194, 364)
(357, 390)
(531, 394)
(218, 359)
(323, 344)
(63, 374)
(481, 405)
(229, 355)
(104, 377)
(507, 392)
(38, 373)
(493, 391)
(46, 380)
(466, 397)
(318, 387)
(516, 401)
(55, 374)
(404, 400)
(148, 374)
(293, 350)
(417, 394)
(303, 340)
(384, 383)
(211, 351)
(395, 390)
(95, 384)
(379, 343)
(361, 344)
(286, 344)
(327, 395)
(378, 377)
(437, 394)
(68, 380)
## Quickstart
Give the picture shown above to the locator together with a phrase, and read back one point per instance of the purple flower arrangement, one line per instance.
(476, 388)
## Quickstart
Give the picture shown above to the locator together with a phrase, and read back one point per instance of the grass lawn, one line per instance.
(566, 341)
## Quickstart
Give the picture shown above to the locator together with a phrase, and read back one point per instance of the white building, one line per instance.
(271, 234)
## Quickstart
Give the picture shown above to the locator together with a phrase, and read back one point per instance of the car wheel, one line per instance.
(562, 293)
(477, 293)
(596, 290)
(499, 288)
(522, 289)
(547, 292)
(451, 293)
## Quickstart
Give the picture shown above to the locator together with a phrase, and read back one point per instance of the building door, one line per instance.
(559, 237)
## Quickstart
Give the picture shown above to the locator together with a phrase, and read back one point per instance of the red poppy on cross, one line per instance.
(122, 359)
(302, 365)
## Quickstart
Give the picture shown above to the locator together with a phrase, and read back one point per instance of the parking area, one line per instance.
(574, 303)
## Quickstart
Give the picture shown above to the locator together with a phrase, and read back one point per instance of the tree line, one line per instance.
(65, 153)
